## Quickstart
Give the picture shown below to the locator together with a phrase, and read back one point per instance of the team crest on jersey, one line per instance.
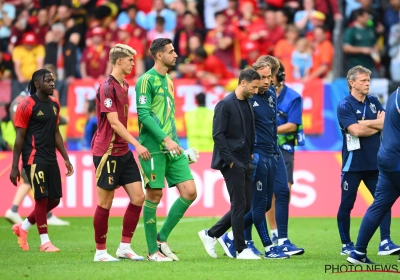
(107, 102)
(271, 101)
(142, 99)
(55, 110)
(372, 107)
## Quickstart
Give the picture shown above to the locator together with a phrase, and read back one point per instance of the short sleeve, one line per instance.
(346, 116)
(107, 98)
(294, 112)
(144, 90)
(23, 113)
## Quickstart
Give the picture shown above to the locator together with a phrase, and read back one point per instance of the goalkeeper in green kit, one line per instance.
(157, 132)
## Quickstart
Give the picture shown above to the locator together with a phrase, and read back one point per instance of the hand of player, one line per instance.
(172, 147)
(381, 114)
(70, 168)
(143, 152)
(15, 176)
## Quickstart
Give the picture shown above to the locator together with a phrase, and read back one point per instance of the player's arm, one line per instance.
(143, 101)
(348, 120)
(293, 118)
(19, 141)
(220, 123)
(61, 148)
(121, 130)
(376, 124)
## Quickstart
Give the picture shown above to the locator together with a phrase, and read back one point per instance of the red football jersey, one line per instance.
(110, 97)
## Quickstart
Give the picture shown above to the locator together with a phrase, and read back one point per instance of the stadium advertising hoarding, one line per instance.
(315, 193)
(185, 92)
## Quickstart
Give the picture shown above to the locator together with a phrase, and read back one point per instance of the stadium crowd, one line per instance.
(214, 39)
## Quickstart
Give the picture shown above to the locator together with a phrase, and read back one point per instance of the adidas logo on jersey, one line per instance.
(358, 112)
(160, 90)
(40, 113)
(255, 104)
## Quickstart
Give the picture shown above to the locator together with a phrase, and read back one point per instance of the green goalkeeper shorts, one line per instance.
(175, 169)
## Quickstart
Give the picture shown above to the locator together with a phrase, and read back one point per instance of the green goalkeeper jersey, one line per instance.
(156, 110)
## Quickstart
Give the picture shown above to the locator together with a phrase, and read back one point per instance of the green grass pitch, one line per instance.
(318, 236)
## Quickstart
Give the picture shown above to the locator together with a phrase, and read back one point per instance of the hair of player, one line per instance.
(258, 65)
(201, 99)
(353, 72)
(120, 51)
(37, 76)
(273, 61)
(249, 75)
(158, 45)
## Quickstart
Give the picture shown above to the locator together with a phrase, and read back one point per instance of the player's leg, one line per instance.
(282, 194)
(178, 174)
(131, 181)
(386, 246)
(153, 172)
(349, 186)
(107, 182)
(385, 196)
(272, 221)
(22, 190)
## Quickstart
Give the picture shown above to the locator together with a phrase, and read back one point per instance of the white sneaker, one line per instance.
(163, 247)
(13, 217)
(247, 254)
(55, 221)
(158, 257)
(104, 257)
(208, 242)
(129, 254)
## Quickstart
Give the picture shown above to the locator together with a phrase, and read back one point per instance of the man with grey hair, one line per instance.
(360, 119)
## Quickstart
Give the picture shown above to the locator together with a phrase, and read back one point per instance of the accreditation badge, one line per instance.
(353, 142)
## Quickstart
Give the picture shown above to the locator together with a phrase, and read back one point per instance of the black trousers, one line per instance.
(238, 181)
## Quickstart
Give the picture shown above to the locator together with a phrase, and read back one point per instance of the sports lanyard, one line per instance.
(365, 106)
(397, 104)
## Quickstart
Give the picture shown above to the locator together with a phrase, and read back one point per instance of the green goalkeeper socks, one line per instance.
(175, 214)
(150, 225)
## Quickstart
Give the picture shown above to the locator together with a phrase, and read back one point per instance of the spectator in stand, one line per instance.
(253, 51)
(374, 20)
(318, 20)
(185, 61)
(282, 18)
(302, 59)
(148, 21)
(220, 41)
(249, 26)
(125, 36)
(18, 30)
(322, 54)
(95, 63)
(232, 12)
(40, 25)
(180, 7)
(211, 7)
(6, 66)
(209, 68)
(61, 53)
(182, 35)
(284, 49)
(272, 34)
(392, 16)
(330, 8)
(7, 15)
(129, 17)
(360, 43)
(394, 52)
(27, 58)
(29, 5)
(159, 31)
(302, 18)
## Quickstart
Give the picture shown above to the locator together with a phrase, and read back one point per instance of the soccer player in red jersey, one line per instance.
(114, 162)
(38, 136)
